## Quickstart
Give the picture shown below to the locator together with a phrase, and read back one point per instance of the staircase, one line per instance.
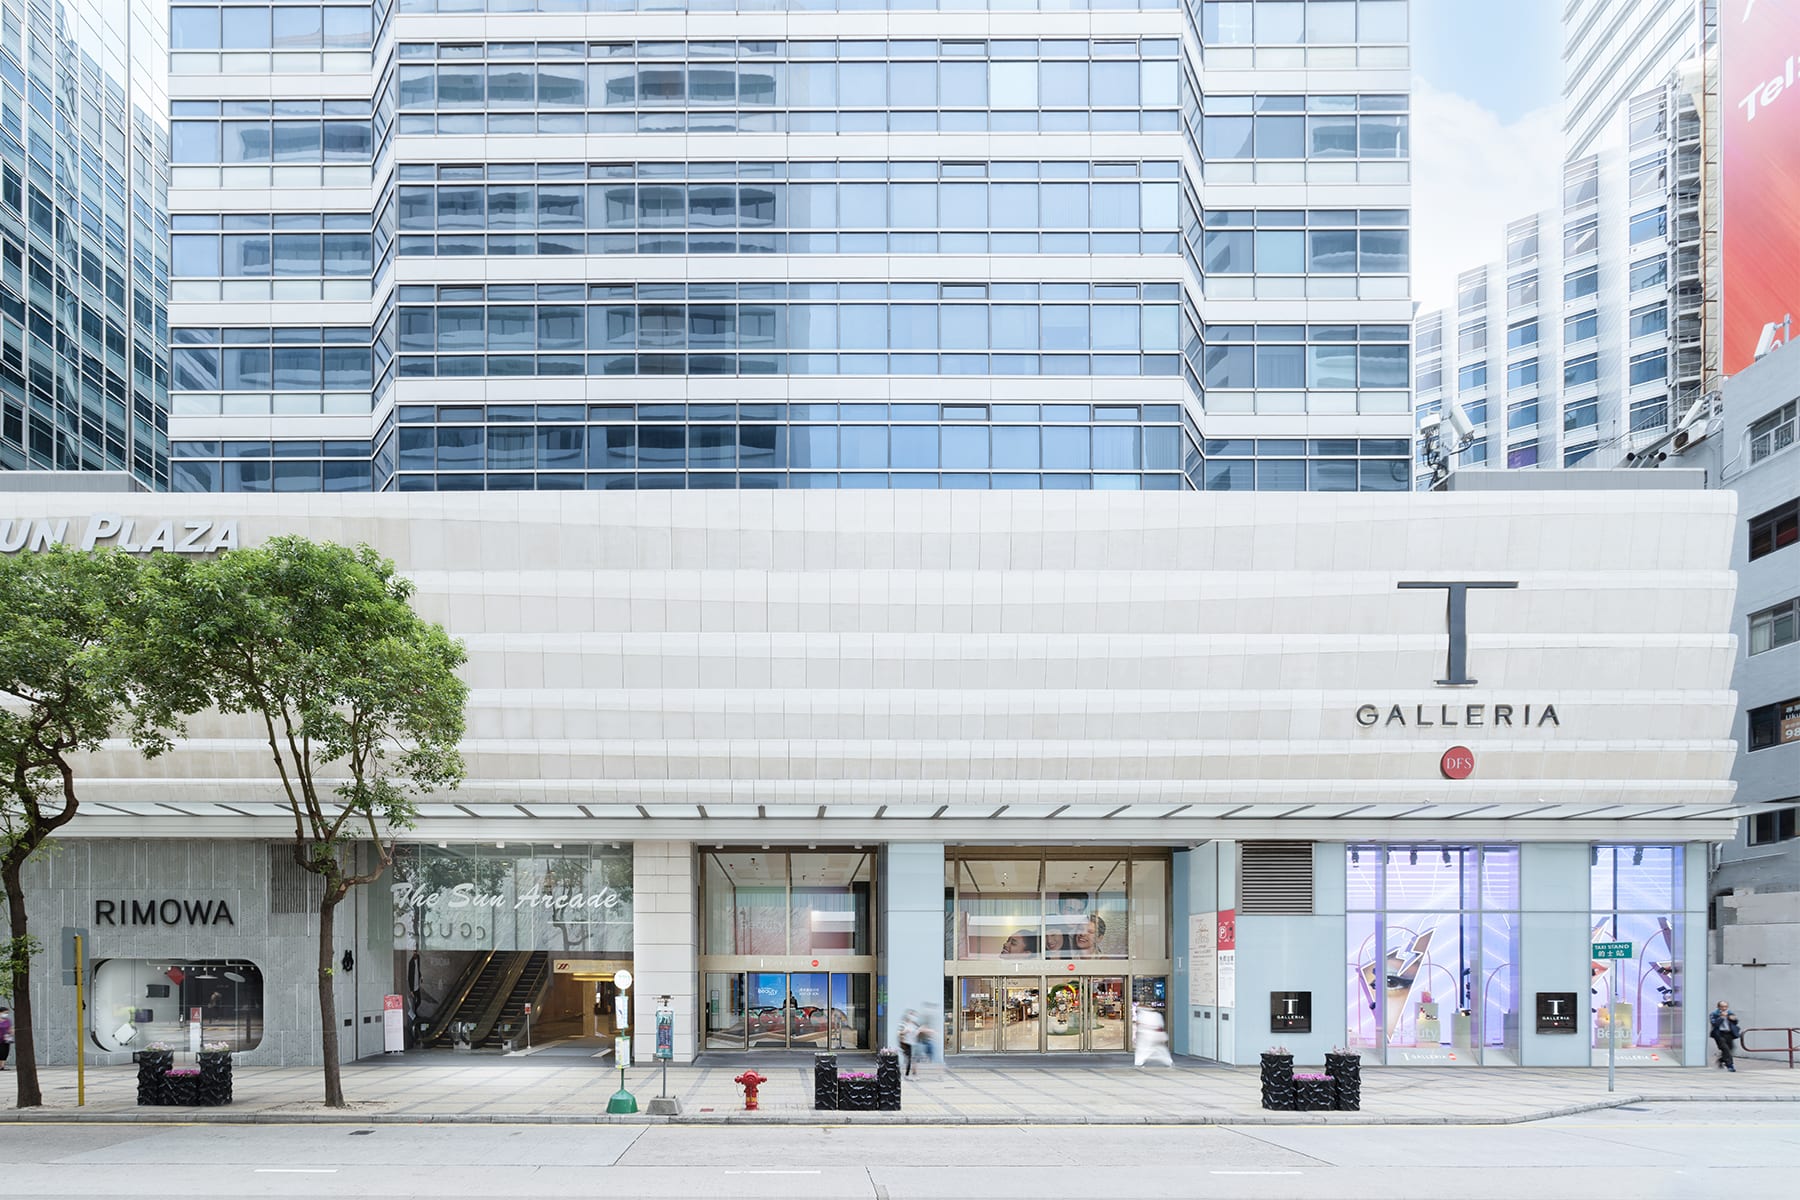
(489, 1001)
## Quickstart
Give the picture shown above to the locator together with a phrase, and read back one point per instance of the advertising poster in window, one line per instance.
(1203, 964)
(1228, 958)
(1760, 124)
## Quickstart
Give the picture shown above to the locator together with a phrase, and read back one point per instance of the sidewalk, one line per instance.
(550, 1091)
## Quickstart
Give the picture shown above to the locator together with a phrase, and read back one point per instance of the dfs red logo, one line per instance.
(1458, 763)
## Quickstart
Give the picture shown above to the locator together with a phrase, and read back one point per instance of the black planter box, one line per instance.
(1278, 1082)
(1346, 1069)
(1318, 1094)
(153, 1068)
(825, 1082)
(887, 1081)
(855, 1094)
(181, 1089)
(214, 1088)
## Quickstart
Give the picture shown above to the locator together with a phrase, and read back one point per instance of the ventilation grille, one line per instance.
(1275, 878)
(292, 888)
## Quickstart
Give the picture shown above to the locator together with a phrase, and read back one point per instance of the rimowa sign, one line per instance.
(177, 535)
(169, 911)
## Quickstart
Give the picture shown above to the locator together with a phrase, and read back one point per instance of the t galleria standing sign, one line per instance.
(177, 535)
(1456, 674)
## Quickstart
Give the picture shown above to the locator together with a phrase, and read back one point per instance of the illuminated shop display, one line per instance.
(1432, 941)
(1636, 899)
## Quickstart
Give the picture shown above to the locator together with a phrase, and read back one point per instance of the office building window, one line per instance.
(1574, 455)
(1650, 319)
(1775, 724)
(1581, 327)
(1581, 414)
(1770, 827)
(1525, 454)
(1521, 334)
(1522, 374)
(1775, 529)
(1584, 282)
(1774, 433)
(1471, 291)
(1581, 236)
(1471, 338)
(1522, 415)
(1775, 627)
(1652, 366)
(1647, 225)
(1648, 273)
(1522, 290)
(1582, 370)
(1471, 378)
(1649, 413)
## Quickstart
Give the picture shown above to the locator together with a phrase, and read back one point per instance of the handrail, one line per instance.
(453, 999)
(1791, 1047)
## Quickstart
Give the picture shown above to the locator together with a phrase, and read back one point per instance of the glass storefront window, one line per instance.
(998, 908)
(773, 902)
(138, 1001)
(1432, 946)
(828, 911)
(1635, 892)
(1058, 908)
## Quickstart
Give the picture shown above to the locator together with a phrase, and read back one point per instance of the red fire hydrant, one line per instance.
(750, 1081)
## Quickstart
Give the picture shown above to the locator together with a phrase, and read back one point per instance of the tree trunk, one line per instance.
(24, 1056)
(328, 1024)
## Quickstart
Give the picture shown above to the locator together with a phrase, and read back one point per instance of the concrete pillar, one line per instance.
(912, 910)
(664, 936)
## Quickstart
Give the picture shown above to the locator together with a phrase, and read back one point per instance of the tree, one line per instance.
(356, 694)
(70, 622)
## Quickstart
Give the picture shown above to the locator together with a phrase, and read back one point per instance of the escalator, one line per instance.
(488, 1004)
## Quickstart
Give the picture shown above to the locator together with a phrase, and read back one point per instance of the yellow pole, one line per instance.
(80, 1025)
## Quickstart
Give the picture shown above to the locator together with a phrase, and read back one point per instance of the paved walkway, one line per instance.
(421, 1089)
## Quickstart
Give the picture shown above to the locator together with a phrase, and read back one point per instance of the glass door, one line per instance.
(808, 1009)
(848, 1022)
(1021, 1017)
(975, 1014)
(1107, 1017)
(1065, 1012)
(724, 1010)
(766, 1013)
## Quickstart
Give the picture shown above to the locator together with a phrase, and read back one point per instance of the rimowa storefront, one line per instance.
(1308, 770)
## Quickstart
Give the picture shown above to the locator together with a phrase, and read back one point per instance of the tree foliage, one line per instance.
(356, 694)
(70, 622)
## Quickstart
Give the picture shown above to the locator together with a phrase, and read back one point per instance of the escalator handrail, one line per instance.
(447, 1012)
(496, 1006)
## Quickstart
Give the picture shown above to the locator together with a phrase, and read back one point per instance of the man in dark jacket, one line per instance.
(1725, 1031)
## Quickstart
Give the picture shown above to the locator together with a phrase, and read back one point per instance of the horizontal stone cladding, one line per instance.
(649, 657)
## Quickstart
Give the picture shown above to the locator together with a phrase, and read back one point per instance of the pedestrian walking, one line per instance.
(1725, 1031)
(1150, 1039)
(6, 1035)
(925, 1048)
(909, 1036)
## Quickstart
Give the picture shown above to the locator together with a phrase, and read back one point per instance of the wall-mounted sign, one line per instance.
(1290, 1012)
(1556, 1012)
(1227, 933)
(162, 912)
(184, 535)
(1458, 763)
(1453, 716)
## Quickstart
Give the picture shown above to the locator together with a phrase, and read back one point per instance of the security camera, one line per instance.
(1429, 426)
(1459, 420)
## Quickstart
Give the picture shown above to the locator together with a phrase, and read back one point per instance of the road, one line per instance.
(1741, 1151)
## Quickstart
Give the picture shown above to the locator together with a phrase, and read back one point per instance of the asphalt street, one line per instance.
(1742, 1151)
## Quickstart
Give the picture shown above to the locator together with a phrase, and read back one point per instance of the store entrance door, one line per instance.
(1033, 1014)
(1086, 1014)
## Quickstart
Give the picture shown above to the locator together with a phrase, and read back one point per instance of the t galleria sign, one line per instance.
(1456, 674)
(180, 535)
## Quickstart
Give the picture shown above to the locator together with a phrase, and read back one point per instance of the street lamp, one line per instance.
(622, 1101)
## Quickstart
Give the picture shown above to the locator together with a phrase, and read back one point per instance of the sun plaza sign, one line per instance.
(1456, 674)
(176, 535)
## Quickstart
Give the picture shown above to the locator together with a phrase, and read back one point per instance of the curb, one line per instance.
(196, 1117)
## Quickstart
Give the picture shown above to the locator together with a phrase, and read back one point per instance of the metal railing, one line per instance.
(1790, 1033)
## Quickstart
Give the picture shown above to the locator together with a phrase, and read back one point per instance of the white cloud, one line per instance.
(1471, 176)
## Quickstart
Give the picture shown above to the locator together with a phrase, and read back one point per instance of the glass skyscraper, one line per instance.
(84, 281)
(593, 244)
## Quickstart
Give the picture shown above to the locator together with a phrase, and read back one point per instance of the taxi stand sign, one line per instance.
(1602, 951)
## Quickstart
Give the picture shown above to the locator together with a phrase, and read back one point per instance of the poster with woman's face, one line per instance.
(1084, 925)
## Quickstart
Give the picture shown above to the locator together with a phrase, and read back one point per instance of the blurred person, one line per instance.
(1152, 1041)
(909, 1037)
(6, 1034)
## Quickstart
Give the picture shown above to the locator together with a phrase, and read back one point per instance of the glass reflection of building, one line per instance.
(1636, 894)
(84, 230)
(651, 260)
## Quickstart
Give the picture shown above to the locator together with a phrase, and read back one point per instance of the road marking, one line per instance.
(771, 1172)
(296, 1170)
(1253, 1172)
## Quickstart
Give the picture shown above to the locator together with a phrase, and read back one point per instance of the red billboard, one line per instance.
(1759, 41)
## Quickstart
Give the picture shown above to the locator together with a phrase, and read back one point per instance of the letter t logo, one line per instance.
(1456, 605)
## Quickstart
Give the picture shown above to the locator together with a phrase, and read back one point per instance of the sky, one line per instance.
(1486, 131)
